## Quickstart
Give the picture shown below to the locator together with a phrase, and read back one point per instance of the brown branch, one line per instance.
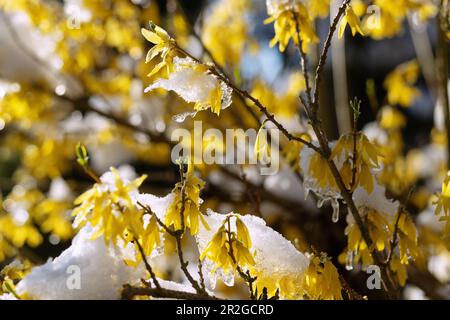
(351, 293)
(129, 292)
(178, 234)
(427, 282)
(348, 198)
(200, 274)
(303, 59)
(82, 105)
(354, 159)
(246, 95)
(220, 69)
(395, 240)
(325, 151)
(324, 54)
(147, 265)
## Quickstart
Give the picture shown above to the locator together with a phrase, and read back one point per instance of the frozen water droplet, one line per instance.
(228, 279)
(227, 94)
(159, 250)
(335, 205)
(180, 117)
(307, 190)
(320, 203)
(349, 261)
(60, 89)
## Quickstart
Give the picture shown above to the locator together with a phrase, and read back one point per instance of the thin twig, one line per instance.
(147, 265)
(245, 94)
(303, 59)
(245, 276)
(351, 293)
(324, 55)
(325, 151)
(394, 242)
(129, 292)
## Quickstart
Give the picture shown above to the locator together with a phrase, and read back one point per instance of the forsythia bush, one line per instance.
(92, 93)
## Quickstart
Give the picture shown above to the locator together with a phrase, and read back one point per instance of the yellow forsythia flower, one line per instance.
(357, 250)
(321, 280)
(109, 208)
(390, 118)
(367, 155)
(229, 249)
(291, 22)
(191, 186)
(163, 45)
(352, 20)
(443, 204)
(225, 33)
(399, 84)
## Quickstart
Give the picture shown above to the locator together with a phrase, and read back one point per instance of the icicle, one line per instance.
(349, 261)
(335, 205)
(320, 202)
(307, 190)
(182, 116)
(228, 279)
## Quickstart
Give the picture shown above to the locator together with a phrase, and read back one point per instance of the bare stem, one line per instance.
(325, 151)
(246, 276)
(324, 55)
(246, 95)
(147, 265)
(129, 292)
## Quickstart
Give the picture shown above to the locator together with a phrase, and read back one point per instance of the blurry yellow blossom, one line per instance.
(390, 118)
(291, 21)
(398, 173)
(225, 33)
(51, 216)
(442, 203)
(399, 84)
(283, 104)
(293, 149)
(6, 249)
(24, 106)
(181, 28)
(318, 8)
(388, 18)
(19, 233)
(359, 7)
(399, 270)
(48, 159)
